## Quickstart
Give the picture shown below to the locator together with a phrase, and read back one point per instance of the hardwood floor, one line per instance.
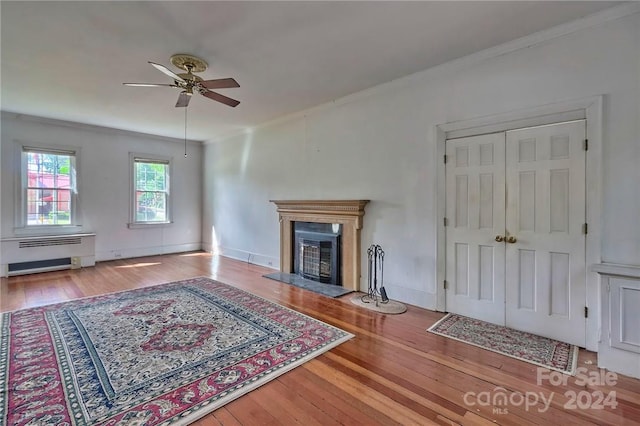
(392, 372)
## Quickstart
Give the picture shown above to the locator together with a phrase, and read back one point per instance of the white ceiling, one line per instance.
(68, 60)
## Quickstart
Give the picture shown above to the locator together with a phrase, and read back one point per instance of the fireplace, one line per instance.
(316, 252)
(347, 214)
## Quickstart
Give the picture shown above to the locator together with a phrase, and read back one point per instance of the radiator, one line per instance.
(28, 255)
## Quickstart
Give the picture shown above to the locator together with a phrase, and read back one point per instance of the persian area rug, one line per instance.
(166, 354)
(541, 351)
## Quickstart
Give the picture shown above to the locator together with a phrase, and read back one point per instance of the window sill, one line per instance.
(142, 225)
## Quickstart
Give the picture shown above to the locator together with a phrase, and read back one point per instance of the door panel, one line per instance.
(475, 210)
(545, 267)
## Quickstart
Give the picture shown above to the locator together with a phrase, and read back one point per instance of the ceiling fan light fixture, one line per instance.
(190, 82)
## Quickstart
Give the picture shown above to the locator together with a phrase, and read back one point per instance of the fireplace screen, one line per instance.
(317, 253)
(315, 258)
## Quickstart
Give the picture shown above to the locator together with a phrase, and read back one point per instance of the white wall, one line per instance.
(380, 145)
(104, 185)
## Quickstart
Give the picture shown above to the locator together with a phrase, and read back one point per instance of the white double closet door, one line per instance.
(515, 232)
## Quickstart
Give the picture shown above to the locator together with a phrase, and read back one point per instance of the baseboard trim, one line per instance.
(115, 254)
(249, 257)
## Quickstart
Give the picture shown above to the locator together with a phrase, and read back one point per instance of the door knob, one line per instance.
(511, 239)
(499, 238)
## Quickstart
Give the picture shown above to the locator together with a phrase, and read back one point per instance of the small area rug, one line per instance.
(328, 290)
(541, 351)
(166, 354)
(391, 307)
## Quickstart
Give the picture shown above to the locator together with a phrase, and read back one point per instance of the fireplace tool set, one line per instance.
(376, 294)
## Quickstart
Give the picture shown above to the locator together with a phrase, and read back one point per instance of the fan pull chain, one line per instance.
(185, 132)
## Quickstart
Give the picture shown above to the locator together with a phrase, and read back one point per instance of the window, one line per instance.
(150, 190)
(49, 186)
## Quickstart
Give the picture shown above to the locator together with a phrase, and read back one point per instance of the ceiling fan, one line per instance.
(190, 83)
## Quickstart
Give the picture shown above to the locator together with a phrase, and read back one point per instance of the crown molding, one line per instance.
(90, 127)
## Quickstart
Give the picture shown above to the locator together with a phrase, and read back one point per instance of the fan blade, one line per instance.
(167, 71)
(220, 98)
(149, 85)
(221, 83)
(183, 100)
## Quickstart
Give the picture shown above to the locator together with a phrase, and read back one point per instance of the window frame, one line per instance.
(22, 225)
(135, 158)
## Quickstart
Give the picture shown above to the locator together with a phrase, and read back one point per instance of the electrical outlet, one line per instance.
(75, 262)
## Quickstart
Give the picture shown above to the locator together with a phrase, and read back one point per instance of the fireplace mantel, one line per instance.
(348, 213)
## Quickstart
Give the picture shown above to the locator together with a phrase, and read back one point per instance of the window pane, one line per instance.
(160, 206)
(151, 206)
(33, 206)
(61, 207)
(150, 176)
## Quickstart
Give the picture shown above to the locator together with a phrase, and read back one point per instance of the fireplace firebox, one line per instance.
(317, 252)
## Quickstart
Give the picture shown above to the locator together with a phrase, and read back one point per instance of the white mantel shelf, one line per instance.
(348, 213)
